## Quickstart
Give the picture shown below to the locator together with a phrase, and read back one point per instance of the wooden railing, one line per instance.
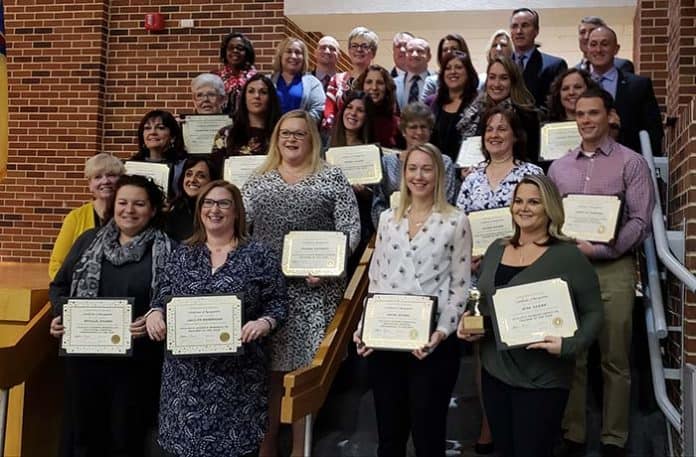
(306, 388)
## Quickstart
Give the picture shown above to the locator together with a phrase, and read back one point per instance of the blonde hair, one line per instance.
(103, 163)
(274, 159)
(440, 203)
(278, 56)
(496, 34)
(553, 207)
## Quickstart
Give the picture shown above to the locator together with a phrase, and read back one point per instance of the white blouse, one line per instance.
(435, 262)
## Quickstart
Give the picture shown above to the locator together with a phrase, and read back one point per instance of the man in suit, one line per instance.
(399, 53)
(409, 86)
(539, 69)
(326, 57)
(634, 97)
(587, 25)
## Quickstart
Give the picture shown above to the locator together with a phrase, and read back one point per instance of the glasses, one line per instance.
(225, 203)
(297, 134)
(361, 47)
(200, 96)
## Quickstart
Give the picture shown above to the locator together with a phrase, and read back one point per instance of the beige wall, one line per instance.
(558, 29)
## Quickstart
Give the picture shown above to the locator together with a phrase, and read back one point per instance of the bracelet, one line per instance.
(268, 321)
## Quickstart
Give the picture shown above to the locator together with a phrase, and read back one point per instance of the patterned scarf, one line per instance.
(87, 273)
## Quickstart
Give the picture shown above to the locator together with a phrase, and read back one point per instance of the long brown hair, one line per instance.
(240, 231)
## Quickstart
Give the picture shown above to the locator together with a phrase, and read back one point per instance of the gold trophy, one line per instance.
(473, 324)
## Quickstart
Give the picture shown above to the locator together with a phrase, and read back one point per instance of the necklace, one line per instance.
(418, 222)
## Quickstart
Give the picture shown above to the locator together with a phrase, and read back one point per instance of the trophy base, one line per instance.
(473, 325)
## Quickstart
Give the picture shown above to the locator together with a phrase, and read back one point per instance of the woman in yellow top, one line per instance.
(102, 172)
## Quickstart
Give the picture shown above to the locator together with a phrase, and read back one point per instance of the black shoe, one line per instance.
(612, 450)
(569, 448)
(484, 448)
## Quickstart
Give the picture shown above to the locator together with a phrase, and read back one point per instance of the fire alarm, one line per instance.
(154, 22)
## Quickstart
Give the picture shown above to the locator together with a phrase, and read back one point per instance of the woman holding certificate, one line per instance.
(416, 126)
(237, 56)
(504, 86)
(112, 401)
(525, 386)
(160, 141)
(216, 405)
(197, 173)
(102, 172)
(423, 248)
(296, 88)
(295, 190)
(252, 124)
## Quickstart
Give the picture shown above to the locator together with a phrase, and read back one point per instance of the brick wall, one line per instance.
(650, 44)
(83, 72)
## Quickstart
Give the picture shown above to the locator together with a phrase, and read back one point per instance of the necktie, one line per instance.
(413, 91)
(520, 61)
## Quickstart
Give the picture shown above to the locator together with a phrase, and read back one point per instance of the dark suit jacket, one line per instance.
(637, 107)
(624, 65)
(540, 72)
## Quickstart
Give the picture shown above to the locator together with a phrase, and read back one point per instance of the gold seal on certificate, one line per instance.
(398, 322)
(97, 326)
(314, 253)
(591, 217)
(361, 164)
(199, 131)
(204, 325)
(527, 313)
(557, 139)
(157, 172)
(487, 226)
(238, 169)
(470, 153)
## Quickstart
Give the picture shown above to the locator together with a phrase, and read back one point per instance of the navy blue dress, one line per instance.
(213, 405)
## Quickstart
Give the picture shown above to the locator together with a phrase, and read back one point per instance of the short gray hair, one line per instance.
(364, 32)
(208, 79)
(103, 163)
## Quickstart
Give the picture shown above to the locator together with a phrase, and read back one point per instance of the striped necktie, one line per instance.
(413, 92)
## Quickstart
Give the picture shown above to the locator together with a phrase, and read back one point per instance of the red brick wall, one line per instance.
(82, 74)
(650, 44)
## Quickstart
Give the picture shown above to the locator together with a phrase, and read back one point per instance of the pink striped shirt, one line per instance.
(612, 170)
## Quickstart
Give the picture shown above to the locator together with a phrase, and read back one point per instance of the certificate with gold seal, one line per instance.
(527, 313)
(470, 153)
(591, 217)
(557, 139)
(238, 169)
(487, 226)
(315, 253)
(157, 172)
(361, 164)
(199, 131)
(398, 322)
(97, 326)
(204, 325)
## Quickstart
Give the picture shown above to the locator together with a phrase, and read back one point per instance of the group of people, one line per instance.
(208, 236)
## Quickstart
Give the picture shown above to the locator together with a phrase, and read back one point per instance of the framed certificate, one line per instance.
(314, 253)
(157, 172)
(361, 164)
(470, 152)
(527, 313)
(204, 325)
(398, 322)
(591, 217)
(237, 169)
(487, 226)
(97, 326)
(557, 139)
(199, 131)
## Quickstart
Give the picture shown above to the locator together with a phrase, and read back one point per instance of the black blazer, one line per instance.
(637, 107)
(540, 72)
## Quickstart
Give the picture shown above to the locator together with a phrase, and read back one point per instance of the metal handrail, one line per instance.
(653, 290)
(658, 224)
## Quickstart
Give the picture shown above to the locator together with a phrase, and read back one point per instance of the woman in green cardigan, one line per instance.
(525, 389)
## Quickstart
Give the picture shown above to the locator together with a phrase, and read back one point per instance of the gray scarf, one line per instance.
(87, 272)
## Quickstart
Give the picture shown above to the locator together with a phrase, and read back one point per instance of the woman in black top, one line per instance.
(197, 172)
(458, 83)
(113, 401)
